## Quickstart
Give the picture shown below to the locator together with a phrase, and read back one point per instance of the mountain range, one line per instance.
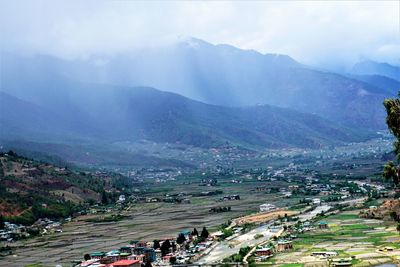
(207, 96)
(128, 114)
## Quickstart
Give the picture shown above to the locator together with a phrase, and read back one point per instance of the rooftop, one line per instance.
(97, 253)
(124, 262)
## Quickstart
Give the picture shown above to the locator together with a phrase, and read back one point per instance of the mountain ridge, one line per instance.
(217, 74)
(137, 113)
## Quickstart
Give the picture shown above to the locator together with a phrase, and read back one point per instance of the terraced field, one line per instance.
(142, 221)
(365, 240)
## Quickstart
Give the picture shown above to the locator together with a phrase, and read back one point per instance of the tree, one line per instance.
(156, 244)
(181, 239)
(391, 171)
(227, 232)
(165, 246)
(195, 232)
(104, 198)
(204, 233)
(1, 222)
(394, 216)
(172, 260)
(398, 227)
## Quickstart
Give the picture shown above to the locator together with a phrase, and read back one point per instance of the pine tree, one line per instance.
(181, 239)
(204, 233)
(394, 216)
(195, 232)
(165, 246)
(172, 260)
(2, 225)
(156, 244)
(104, 198)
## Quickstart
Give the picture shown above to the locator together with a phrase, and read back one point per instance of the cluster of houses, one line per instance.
(309, 183)
(209, 182)
(184, 249)
(158, 175)
(12, 231)
(264, 252)
(229, 198)
(168, 198)
(132, 255)
(332, 258)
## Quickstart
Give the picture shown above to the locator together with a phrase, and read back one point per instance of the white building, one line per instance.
(267, 207)
(121, 199)
(316, 201)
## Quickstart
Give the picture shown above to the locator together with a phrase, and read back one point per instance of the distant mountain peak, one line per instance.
(196, 43)
(370, 67)
(193, 42)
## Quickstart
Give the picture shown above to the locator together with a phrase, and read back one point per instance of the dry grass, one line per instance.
(265, 216)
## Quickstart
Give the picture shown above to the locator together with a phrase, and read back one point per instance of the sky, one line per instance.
(319, 33)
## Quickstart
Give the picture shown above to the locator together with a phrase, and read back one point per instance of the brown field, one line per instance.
(264, 217)
(145, 221)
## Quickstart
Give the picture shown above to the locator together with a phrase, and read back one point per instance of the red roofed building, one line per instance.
(126, 263)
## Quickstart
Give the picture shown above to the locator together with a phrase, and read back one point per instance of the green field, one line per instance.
(349, 236)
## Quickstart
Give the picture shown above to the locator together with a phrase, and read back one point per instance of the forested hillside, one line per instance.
(31, 189)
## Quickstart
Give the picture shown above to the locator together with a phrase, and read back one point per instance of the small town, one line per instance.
(303, 203)
(262, 237)
(199, 133)
(191, 247)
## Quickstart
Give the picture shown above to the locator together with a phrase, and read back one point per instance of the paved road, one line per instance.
(354, 201)
(311, 214)
(226, 248)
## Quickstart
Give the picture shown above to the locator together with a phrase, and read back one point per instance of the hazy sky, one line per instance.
(313, 32)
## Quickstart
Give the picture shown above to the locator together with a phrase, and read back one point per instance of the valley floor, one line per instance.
(145, 221)
(149, 221)
(366, 242)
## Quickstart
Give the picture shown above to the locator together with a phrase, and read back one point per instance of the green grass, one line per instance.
(343, 230)
(291, 265)
(357, 227)
(268, 262)
(374, 240)
(343, 217)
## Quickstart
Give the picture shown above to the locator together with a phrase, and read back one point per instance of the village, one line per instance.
(272, 237)
(272, 231)
(236, 205)
(191, 247)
